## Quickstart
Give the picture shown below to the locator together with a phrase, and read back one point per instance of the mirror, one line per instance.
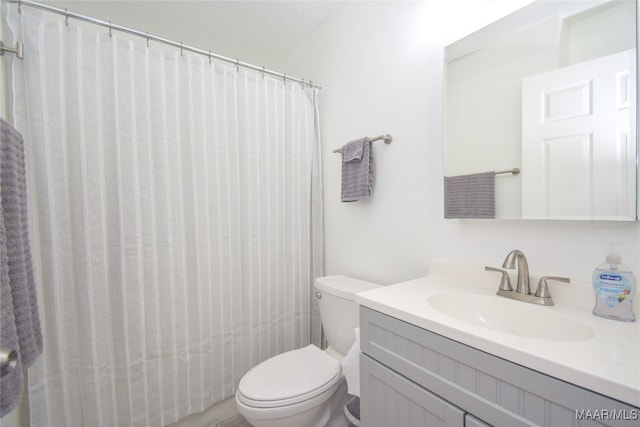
(549, 90)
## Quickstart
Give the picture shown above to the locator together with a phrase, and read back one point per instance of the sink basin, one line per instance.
(511, 317)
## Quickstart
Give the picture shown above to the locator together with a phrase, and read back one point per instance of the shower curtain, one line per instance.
(176, 220)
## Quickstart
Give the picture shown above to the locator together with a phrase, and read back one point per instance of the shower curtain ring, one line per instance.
(181, 51)
(19, 6)
(262, 72)
(147, 39)
(66, 17)
(110, 28)
(209, 57)
(237, 65)
(284, 78)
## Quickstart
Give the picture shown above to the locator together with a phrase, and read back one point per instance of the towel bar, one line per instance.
(386, 138)
(8, 360)
(18, 50)
(514, 171)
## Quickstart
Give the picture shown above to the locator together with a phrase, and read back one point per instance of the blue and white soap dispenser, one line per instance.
(615, 287)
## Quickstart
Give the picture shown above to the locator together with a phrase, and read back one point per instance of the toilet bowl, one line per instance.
(306, 387)
(300, 386)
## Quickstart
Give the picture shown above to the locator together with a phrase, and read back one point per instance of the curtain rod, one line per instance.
(111, 26)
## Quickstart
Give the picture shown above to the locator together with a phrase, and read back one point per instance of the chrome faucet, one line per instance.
(516, 259)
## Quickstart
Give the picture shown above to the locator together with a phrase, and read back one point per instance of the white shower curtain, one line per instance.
(177, 222)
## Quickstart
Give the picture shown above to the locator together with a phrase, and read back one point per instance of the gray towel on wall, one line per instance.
(358, 170)
(20, 321)
(470, 196)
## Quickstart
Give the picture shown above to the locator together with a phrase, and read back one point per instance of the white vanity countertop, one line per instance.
(608, 363)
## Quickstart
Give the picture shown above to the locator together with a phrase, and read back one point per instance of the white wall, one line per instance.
(381, 64)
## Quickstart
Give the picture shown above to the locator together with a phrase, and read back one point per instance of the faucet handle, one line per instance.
(505, 282)
(543, 289)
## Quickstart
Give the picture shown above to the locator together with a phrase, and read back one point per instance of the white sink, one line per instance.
(511, 317)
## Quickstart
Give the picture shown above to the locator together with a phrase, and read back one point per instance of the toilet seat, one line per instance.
(289, 378)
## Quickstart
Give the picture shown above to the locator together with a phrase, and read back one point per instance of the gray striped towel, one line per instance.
(358, 170)
(470, 196)
(20, 321)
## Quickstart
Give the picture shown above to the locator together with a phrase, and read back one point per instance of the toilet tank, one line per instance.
(338, 311)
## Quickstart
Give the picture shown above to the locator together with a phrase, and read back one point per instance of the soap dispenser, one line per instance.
(615, 287)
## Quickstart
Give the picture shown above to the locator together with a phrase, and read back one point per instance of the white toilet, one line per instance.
(306, 387)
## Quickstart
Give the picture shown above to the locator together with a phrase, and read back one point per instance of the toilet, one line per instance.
(306, 387)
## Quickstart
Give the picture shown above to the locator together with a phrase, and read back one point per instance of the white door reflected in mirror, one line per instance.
(578, 142)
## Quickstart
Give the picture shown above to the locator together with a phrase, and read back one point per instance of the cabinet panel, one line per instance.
(388, 399)
(493, 389)
(471, 421)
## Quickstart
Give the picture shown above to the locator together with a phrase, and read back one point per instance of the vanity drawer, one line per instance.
(471, 421)
(495, 390)
(389, 399)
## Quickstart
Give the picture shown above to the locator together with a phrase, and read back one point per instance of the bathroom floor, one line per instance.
(338, 418)
(239, 421)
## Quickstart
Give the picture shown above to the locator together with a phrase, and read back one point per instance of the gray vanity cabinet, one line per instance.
(393, 400)
(471, 421)
(411, 377)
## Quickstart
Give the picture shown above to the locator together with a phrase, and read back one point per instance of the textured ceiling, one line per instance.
(260, 32)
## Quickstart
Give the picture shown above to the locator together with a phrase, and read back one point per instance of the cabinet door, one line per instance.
(389, 399)
(471, 421)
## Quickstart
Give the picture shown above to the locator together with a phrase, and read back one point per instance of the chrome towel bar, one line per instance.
(386, 138)
(18, 50)
(514, 171)
(8, 360)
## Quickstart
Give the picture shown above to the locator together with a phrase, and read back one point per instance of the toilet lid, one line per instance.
(290, 377)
